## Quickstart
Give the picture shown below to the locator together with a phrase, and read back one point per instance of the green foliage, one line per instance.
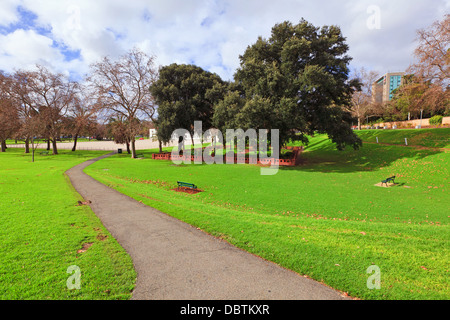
(185, 94)
(436, 120)
(297, 81)
(225, 112)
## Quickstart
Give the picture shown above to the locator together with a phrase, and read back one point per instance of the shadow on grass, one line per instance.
(368, 158)
(322, 156)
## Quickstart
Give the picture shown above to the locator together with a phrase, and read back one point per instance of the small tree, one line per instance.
(118, 128)
(82, 114)
(361, 101)
(34, 128)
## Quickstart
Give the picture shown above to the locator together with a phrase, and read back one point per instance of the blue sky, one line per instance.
(68, 35)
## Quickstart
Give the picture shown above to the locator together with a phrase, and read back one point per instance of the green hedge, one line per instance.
(436, 120)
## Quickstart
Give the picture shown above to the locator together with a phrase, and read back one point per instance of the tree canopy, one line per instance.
(122, 88)
(297, 81)
(185, 94)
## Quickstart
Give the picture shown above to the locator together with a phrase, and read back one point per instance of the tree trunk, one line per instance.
(133, 148)
(55, 148)
(27, 145)
(48, 144)
(128, 147)
(359, 124)
(160, 146)
(33, 149)
(3, 148)
(75, 140)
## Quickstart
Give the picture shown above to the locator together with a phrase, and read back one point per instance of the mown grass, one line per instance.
(44, 229)
(432, 138)
(324, 219)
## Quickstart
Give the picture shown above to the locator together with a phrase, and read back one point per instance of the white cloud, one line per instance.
(24, 49)
(209, 33)
(8, 12)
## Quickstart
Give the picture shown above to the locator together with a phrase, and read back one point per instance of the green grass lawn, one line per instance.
(43, 231)
(433, 138)
(324, 219)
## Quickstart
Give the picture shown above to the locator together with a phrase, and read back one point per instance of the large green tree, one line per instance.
(185, 94)
(297, 81)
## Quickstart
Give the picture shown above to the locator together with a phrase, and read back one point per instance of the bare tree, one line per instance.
(9, 120)
(361, 101)
(433, 53)
(119, 130)
(34, 128)
(123, 88)
(27, 110)
(429, 84)
(52, 94)
(82, 114)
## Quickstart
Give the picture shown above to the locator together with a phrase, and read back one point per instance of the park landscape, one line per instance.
(325, 218)
(332, 215)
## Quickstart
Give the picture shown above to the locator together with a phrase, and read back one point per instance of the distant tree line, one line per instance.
(113, 102)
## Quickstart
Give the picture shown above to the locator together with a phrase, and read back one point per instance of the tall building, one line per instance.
(382, 88)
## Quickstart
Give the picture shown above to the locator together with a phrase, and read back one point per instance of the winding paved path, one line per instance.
(175, 261)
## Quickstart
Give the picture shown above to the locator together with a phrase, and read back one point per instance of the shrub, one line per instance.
(436, 120)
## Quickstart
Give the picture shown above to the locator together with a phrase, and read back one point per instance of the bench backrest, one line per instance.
(185, 183)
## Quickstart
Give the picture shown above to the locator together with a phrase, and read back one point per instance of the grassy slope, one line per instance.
(433, 138)
(42, 230)
(325, 219)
